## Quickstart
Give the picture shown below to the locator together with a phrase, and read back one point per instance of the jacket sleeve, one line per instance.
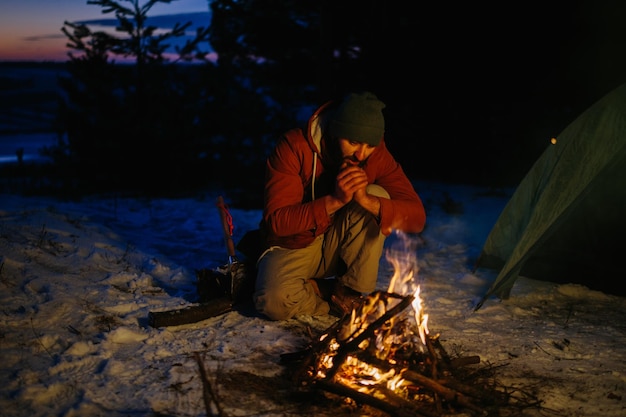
(287, 210)
(403, 210)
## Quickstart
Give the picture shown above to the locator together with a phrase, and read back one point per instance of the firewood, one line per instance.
(433, 356)
(191, 314)
(394, 405)
(447, 393)
(464, 361)
(485, 396)
(437, 344)
(351, 344)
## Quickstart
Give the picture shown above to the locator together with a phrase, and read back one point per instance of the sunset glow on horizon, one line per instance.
(30, 30)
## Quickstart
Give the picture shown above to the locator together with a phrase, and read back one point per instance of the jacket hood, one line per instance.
(317, 126)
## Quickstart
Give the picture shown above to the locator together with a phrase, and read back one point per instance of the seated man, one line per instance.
(332, 196)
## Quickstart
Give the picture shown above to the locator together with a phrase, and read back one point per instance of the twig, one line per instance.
(74, 330)
(32, 326)
(543, 350)
(211, 402)
(570, 308)
(559, 358)
(42, 236)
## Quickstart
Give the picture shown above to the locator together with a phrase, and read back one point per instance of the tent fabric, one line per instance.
(566, 221)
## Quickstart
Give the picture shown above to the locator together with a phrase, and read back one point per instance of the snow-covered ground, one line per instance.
(79, 278)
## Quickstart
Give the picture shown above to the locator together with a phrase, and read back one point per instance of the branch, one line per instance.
(211, 403)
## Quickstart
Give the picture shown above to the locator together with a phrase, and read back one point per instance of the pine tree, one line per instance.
(125, 121)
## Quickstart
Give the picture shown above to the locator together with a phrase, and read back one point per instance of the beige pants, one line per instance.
(350, 250)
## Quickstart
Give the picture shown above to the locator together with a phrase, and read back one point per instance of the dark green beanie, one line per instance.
(360, 118)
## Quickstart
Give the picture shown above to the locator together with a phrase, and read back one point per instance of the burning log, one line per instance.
(353, 336)
(389, 403)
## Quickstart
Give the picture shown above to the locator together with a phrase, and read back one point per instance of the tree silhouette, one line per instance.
(125, 121)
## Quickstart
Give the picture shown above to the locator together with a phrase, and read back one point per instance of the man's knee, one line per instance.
(377, 190)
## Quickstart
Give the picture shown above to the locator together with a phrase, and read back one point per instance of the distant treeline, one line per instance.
(460, 107)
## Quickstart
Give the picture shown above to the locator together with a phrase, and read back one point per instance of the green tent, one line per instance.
(566, 221)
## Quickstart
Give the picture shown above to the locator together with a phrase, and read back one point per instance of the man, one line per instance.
(332, 196)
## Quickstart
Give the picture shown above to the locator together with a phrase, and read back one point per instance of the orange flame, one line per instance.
(397, 336)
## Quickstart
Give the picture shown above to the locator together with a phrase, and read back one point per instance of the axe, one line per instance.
(235, 268)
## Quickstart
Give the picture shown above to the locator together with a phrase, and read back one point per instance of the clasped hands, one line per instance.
(351, 185)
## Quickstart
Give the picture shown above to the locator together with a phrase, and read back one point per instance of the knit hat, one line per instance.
(359, 117)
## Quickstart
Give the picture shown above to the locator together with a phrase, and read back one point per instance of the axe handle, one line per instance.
(226, 226)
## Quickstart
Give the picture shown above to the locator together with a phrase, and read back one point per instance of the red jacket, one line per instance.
(294, 215)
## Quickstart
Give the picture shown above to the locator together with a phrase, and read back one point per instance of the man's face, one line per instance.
(354, 153)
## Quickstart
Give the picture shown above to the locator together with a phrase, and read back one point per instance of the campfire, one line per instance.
(384, 355)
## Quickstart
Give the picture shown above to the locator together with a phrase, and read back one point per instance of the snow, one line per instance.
(78, 279)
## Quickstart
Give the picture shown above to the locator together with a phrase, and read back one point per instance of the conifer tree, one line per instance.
(131, 107)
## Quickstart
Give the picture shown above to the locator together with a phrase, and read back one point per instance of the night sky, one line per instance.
(31, 29)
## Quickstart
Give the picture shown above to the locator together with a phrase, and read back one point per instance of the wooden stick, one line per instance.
(437, 343)
(484, 396)
(393, 405)
(464, 361)
(211, 403)
(190, 314)
(447, 393)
